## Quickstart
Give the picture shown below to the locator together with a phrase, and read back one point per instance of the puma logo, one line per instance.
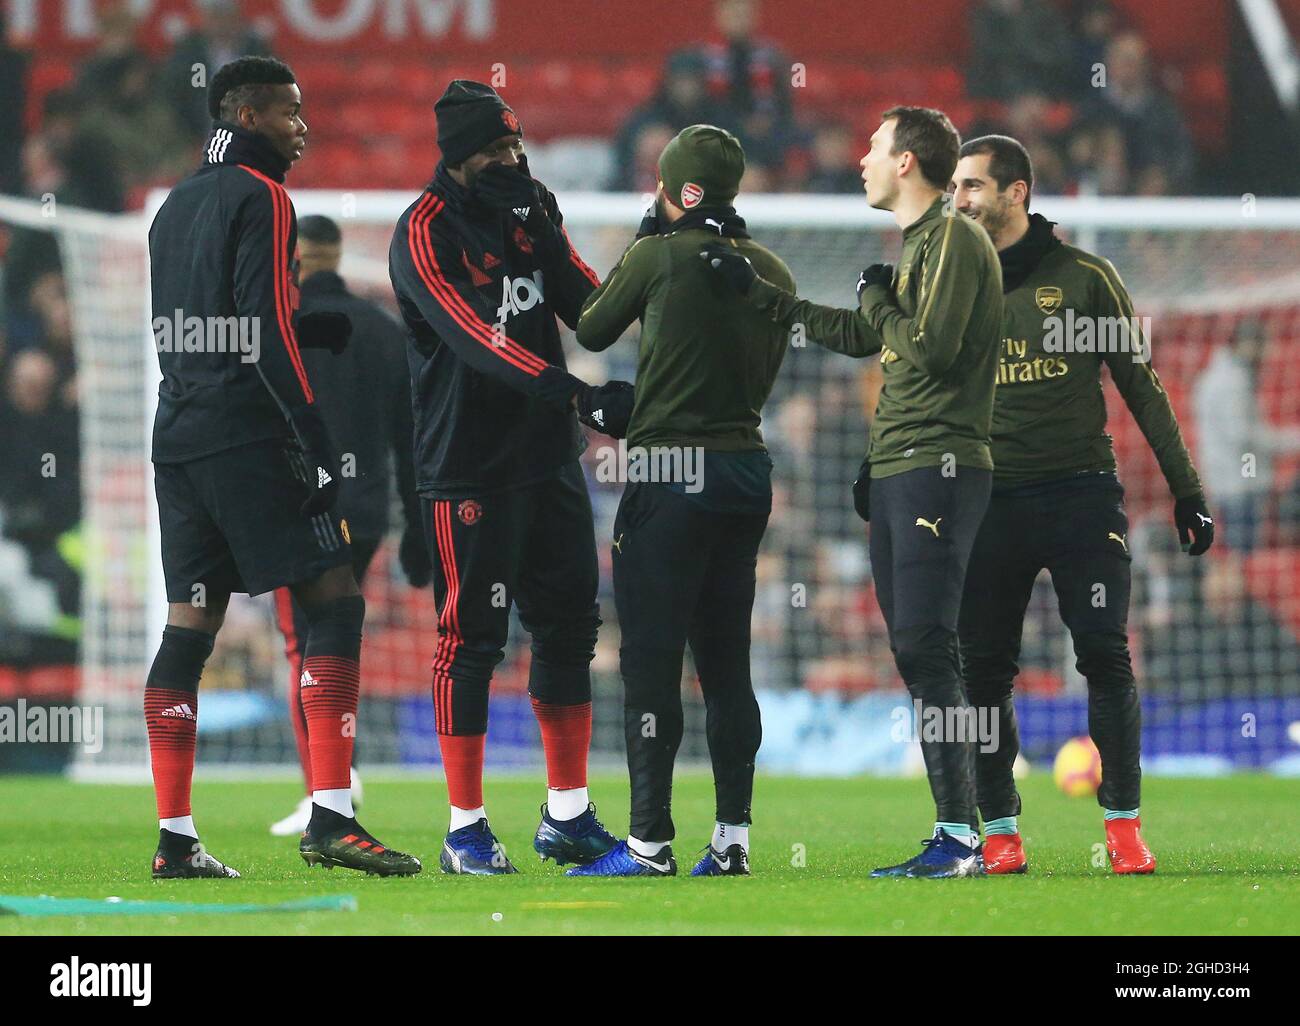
(1119, 538)
(618, 544)
(1205, 521)
(716, 224)
(922, 522)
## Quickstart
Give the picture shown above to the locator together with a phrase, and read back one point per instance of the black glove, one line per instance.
(1194, 523)
(733, 266)
(649, 222)
(876, 274)
(413, 554)
(313, 460)
(862, 491)
(607, 409)
(323, 329)
(504, 189)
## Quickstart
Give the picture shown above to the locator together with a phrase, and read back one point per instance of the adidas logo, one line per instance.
(322, 477)
(598, 416)
(181, 712)
(306, 680)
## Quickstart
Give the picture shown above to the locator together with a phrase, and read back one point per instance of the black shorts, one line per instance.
(232, 523)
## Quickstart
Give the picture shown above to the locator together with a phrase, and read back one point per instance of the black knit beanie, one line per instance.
(470, 116)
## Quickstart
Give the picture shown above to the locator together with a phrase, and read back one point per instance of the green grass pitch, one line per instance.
(1228, 863)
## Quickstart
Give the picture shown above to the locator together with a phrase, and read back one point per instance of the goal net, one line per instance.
(1214, 640)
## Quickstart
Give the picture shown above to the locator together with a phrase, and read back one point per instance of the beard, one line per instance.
(994, 217)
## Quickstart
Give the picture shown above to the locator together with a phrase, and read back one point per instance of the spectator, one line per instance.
(1017, 46)
(751, 77)
(13, 107)
(118, 29)
(834, 164)
(1237, 444)
(1097, 159)
(142, 129)
(71, 162)
(222, 35)
(1095, 25)
(1156, 142)
(39, 473)
(682, 100)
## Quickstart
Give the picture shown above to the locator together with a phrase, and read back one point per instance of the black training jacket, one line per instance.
(221, 247)
(365, 399)
(479, 296)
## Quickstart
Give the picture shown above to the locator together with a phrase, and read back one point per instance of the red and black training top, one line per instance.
(479, 295)
(221, 247)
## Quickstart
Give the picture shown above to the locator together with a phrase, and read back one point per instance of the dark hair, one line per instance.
(1010, 161)
(931, 137)
(319, 229)
(245, 82)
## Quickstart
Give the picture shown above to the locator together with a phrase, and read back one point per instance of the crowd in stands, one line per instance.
(1072, 80)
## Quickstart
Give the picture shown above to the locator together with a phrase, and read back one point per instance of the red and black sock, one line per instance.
(171, 715)
(566, 740)
(330, 687)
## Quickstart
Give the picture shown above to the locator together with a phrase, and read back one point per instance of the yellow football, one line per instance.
(1077, 770)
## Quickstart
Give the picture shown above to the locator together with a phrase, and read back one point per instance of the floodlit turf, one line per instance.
(1227, 850)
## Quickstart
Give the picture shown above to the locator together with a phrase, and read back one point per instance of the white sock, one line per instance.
(647, 849)
(179, 825)
(338, 799)
(466, 817)
(726, 834)
(567, 804)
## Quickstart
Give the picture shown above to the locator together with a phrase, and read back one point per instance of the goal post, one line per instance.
(1214, 640)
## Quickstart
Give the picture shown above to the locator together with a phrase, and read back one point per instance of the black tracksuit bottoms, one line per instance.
(684, 573)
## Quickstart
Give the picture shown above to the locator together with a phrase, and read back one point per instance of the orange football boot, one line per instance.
(1128, 852)
(1004, 853)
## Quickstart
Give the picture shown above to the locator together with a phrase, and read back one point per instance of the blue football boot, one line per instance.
(582, 840)
(474, 850)
(941, 856)
(621, 860)
(732, 862)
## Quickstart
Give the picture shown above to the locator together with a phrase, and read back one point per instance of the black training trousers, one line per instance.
(923, 524)
(533, 547)
(684, 573)
(1077, 530)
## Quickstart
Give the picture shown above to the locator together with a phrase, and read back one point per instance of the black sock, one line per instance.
(325, 822)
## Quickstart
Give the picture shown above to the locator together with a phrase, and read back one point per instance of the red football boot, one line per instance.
(1004, 853)
(1128, 852)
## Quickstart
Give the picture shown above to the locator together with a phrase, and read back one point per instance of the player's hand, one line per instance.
(734, 267)
(862, 491)
(317, 466)
(1194, 523)
(876, 274)
(413, 554)
(607, 409)
(323, 329)
(649, 222)
(504, 189)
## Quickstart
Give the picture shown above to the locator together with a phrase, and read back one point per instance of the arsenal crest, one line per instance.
(511, 122)
(1049, 298)
(469, 511)
(691, 195)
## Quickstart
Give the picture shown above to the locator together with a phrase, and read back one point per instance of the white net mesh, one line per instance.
(1215, 640)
